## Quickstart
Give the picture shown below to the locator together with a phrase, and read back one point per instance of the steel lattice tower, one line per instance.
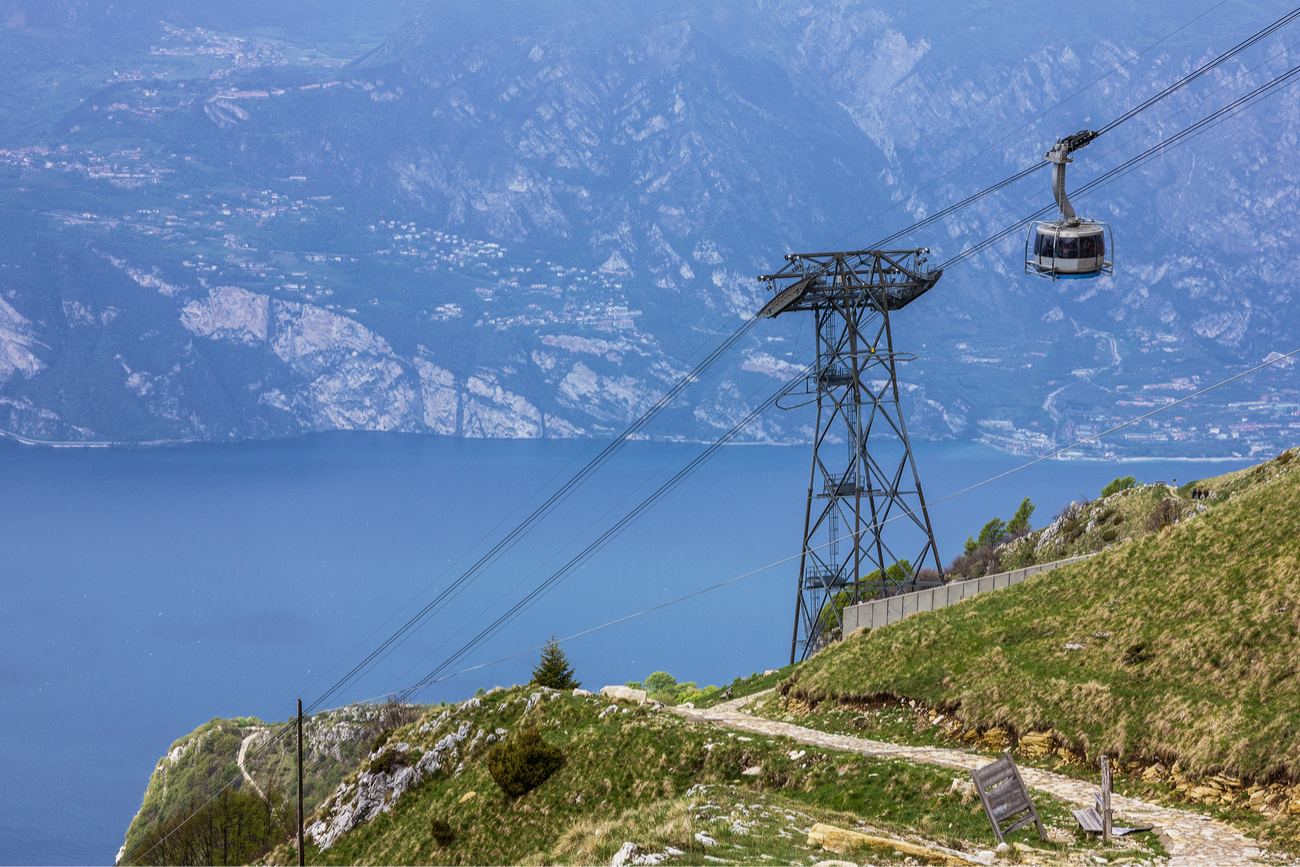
(866, 530)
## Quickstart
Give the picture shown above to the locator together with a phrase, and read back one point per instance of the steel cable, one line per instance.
(555, 499)
(1179, 138)
(609, 534)
(1143, 106)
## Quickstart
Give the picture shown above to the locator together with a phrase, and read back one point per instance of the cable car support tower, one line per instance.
(867, 532)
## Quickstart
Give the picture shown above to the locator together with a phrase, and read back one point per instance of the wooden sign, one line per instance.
(1005, 798)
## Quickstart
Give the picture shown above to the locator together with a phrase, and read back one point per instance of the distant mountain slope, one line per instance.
(1175, 648)
(635, 167)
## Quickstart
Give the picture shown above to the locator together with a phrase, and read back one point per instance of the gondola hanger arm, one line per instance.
(1059, 155)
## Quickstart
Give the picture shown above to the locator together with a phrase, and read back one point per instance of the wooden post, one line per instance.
(1105, 799)
(301, 855)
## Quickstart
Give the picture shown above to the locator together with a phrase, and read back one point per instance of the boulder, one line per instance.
(581, 693)
(624, 855)
(624, 693)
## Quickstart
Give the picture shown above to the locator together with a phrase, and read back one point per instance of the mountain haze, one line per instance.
(521, 219)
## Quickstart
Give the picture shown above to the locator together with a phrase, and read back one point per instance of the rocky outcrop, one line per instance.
(230, 313)
(16, 345)
(389, 772)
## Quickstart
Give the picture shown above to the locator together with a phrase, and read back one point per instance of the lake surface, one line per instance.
(143, 592)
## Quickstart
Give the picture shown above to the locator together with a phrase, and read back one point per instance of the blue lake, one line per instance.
(143, 592)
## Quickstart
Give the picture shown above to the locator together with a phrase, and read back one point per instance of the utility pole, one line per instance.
(301, 855)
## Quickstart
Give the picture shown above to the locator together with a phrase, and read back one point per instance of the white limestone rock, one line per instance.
(624, 855)
(624, 693)
(228, 313)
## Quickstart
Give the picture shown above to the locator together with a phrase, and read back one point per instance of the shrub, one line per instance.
(523, 762)
(443, 834)
(380, 740)
(697, 696)
(1123, 483)
(394, 713)
(1166, 512)
(927, 577)
(389, 762)
(982, 560)
(1137, 653)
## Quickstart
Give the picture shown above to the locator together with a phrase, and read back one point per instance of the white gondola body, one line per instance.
(1069, 249)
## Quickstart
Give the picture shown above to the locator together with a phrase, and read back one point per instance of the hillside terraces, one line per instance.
(1175, 650)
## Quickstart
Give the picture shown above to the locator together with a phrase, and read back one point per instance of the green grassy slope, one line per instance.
(1180, 645)
(646, 776)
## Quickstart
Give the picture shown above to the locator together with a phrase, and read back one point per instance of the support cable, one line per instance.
(1179, 138)
(1143, 106)
(440, 677)
(559, 496)
(490, 532)
(1018, 129)
(606, 537)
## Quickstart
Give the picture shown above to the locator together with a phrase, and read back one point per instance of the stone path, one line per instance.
(1193, 840)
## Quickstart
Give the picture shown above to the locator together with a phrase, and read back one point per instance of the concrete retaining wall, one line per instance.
(882, 612)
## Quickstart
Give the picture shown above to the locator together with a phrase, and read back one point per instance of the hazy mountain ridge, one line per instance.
(668, 156)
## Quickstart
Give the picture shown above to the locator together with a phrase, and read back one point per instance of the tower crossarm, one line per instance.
(880, 279)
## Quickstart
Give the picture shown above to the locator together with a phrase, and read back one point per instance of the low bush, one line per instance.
(1137, 653)
(389, 762)
(1166, 512)
(523, 762)
(380, 740)
(443, 834)
(394, 713)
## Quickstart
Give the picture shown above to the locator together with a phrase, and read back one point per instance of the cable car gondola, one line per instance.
(1072, 247)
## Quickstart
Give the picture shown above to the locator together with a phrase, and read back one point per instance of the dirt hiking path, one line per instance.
(243, 749)
(1193, 840)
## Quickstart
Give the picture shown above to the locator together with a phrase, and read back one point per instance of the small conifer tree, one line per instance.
(553, 670)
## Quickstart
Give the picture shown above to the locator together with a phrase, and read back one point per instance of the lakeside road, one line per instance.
(1193, 840)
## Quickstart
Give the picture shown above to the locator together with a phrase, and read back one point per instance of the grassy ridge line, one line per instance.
(647, 776)
(1187, 644)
